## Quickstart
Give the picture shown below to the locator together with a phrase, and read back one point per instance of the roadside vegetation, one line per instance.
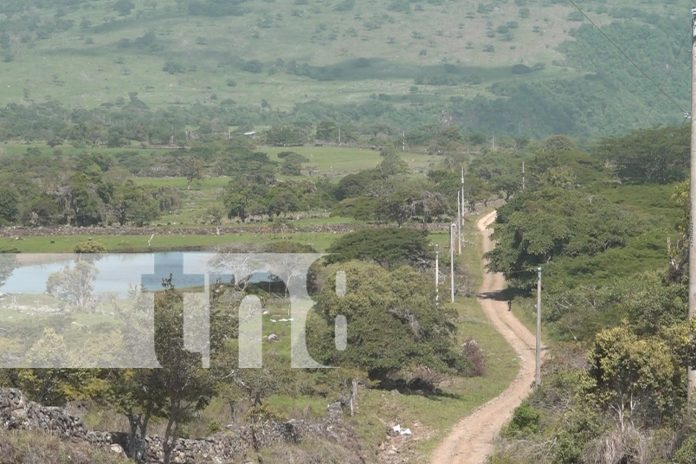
(200, 125)
(614, 302)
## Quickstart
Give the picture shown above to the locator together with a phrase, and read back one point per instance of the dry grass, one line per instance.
(39, 448)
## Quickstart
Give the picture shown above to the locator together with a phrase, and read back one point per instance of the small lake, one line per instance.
(118, 273)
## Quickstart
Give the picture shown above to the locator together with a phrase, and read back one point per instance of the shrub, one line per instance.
(525, 421)
(471, 352)
(90, 246)
(686, 453)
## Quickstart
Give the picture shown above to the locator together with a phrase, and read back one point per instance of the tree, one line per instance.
(446, 141)
(412, 331)
(137, 395)
(388, 247)
(192, 168)
(327, 131)
(658, 155)
(539, 226)
(176, 390)
(133, 204)
(286, 135)
(243, 199)
(84, 201)
(282, 199)
(248, 168)
(391, 165)
(124, 7)
(354, 185)
(214, 215)
(74, 285)
(645, 302)
(43, 210)
(402, 200)
(187, 387)
(634, 377)
(9, 206)
(291, 167)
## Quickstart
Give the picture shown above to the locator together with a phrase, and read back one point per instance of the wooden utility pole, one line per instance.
(537, 374)
(692, 213)
(437, 275)
(453, 229)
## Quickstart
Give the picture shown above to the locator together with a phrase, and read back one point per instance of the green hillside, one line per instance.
(527, 67)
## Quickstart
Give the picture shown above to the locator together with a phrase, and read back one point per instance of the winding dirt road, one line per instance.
(471, 440)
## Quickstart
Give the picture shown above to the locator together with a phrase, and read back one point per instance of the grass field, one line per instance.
(332, 162)
(100, 56)
(129, 243)
(337, 162)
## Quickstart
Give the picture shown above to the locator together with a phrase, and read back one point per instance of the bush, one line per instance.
(471, 352)
(90, 246)
(525, 421)
(686, 454)
(172, 67)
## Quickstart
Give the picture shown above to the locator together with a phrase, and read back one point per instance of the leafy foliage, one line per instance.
(412, 331)
(389, 248)
(659, 155)
(635, 377)
(538, 226)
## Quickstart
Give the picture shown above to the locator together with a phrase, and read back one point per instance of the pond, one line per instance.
(119, 273)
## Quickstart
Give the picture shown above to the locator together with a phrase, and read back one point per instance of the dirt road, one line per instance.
(471, 440)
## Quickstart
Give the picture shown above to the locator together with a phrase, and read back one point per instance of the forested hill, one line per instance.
(514, 67)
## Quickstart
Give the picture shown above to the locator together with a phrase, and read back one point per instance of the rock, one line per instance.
(116, 449)
(16, 413)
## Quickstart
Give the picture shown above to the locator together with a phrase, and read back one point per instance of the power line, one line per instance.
(659, 87)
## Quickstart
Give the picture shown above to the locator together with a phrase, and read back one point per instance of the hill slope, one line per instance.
(515, 67)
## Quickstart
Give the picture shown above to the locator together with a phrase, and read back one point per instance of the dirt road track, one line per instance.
(471, 440)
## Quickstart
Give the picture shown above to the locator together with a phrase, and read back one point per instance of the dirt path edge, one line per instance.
(471, 440)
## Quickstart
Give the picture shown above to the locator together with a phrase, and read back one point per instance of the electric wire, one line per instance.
(658, 87)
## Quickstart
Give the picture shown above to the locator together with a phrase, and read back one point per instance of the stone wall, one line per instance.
(18, 413)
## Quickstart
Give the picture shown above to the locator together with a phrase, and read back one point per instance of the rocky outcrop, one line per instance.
(17, 413)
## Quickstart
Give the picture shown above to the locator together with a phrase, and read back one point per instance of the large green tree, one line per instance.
(540, 226)
(658, 155)
(389, 247)
(393, 322)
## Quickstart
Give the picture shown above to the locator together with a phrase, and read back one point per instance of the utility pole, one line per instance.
(537, 374)
(461, 214)
(437, 275)
(339, 135)
(452, 231)
(523, 175)
(459, 222)
(403, 141)
(692, 213)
